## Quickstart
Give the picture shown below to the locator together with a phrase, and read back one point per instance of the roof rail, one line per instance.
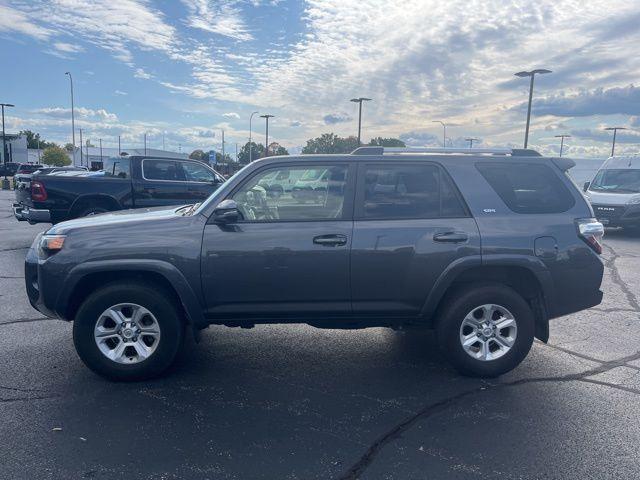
(514, 152)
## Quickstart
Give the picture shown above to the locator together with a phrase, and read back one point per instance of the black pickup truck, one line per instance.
(124, 182)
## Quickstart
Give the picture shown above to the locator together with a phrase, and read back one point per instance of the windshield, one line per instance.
(625, 180)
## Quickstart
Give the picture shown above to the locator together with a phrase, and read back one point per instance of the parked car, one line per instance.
(8, 169)
(614, 192)
(124, 183)
(485, 249)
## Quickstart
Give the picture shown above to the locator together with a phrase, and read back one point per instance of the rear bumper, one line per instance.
(24, 213)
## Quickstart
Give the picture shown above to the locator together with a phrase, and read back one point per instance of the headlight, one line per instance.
(634, 200)
(50, 244)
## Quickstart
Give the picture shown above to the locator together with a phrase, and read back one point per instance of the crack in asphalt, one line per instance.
(28, 398)
(8, 276)
(13, 249)
(30, 320)
(617, 279)
(358, 468)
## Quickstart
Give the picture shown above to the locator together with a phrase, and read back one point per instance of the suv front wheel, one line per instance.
(128, 331)
(486, 330)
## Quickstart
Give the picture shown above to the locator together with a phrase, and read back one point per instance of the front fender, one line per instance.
(168, 271)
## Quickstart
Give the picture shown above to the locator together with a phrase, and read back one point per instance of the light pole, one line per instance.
(615, 130)
(562, 137)
(119, 148)
(73, 121)
(100, 150)
(531, 74)
(250, 147)
(145, 144)
(471, 140)
(359, 101)
(80, 148)
(266, 134)
(223, 145)
(444, 133)
(5, 182)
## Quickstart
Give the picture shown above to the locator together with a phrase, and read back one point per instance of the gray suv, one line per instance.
(482, 246)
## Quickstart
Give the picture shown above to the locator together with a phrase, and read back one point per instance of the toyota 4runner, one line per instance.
(483, 246)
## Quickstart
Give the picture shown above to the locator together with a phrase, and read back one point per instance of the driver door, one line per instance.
(288, 256)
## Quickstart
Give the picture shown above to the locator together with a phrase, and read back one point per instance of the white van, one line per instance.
(614, 192)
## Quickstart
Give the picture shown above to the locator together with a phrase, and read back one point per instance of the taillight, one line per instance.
(38, 192)
(591, 231)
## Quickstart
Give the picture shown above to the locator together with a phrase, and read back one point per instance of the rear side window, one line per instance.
(167, 170)
(117, 167)
(528, 187)
(408, 191)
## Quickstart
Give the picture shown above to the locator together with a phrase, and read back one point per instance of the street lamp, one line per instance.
(73, 124)
(359, 101)
(444, 134)
(562, 137)
(266, 141)
(531, 74)
(471, 140)
(615, 130)
(250, 149)
(5, 182)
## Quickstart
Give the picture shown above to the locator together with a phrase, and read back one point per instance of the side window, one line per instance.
(306, 195)
(527, 187)
(409, 191)
(197, 173)
(118, 167)
(156, 169)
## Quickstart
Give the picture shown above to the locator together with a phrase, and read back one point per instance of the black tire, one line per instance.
(154, 299)
(459, 304)
(93, 210)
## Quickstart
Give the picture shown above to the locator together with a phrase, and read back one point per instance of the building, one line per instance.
(93, 157)
(16, 149)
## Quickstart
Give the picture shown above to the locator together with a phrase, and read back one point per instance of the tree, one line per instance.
(276, 149)
(331, 143)
(69, 147)
(34, 141)
(387, 142)
(199, 155)
(55, 156)
(257, 151)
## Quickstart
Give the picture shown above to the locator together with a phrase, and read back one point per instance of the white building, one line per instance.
(94, 156)
(16, 148)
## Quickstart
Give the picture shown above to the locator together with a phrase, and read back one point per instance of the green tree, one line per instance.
(387, 142)
(330, 143)
(276, 149)
(257, 151)
(34, 141)
(199, 155)
(68, 147)
(55, 156)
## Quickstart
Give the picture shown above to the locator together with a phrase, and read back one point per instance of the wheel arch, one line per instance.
(87, 277)
(527, 276)
(85, 200)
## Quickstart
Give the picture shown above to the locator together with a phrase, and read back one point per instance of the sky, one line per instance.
(184, 70)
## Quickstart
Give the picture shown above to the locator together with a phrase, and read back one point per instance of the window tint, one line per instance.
(294, 193)
(528, 187)
(117, 167)
(624, 180)
(409, 191)
(197, 173)
(170, 170)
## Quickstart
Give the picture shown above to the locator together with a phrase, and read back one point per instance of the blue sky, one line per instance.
(186, 69)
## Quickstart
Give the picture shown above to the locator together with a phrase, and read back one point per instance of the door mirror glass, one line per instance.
(226, 212)
(585, 187)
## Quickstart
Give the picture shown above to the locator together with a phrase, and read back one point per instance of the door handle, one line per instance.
(330, 240)
(451, 237)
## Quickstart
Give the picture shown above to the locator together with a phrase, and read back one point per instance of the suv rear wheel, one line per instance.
(128, 331)
(486, 330)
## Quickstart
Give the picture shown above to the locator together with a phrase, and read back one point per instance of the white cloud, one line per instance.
(140, 73)
(222, 17)
(81, 112)
(231, 115)
(120, 92)
(12, 20)
(67, 47)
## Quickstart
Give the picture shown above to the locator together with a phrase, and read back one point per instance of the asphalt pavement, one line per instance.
(294, 402)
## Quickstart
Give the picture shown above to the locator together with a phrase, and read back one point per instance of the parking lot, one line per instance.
(294, 402)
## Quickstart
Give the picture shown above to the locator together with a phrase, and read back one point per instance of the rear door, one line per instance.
(163, 182)
(410, 224)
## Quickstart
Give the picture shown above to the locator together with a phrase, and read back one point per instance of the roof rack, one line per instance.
(514, 152)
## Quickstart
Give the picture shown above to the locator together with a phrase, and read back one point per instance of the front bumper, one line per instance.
(617, 215)
(24, 213)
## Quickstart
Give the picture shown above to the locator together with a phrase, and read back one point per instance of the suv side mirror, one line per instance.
(585, 187)
(226, 212)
